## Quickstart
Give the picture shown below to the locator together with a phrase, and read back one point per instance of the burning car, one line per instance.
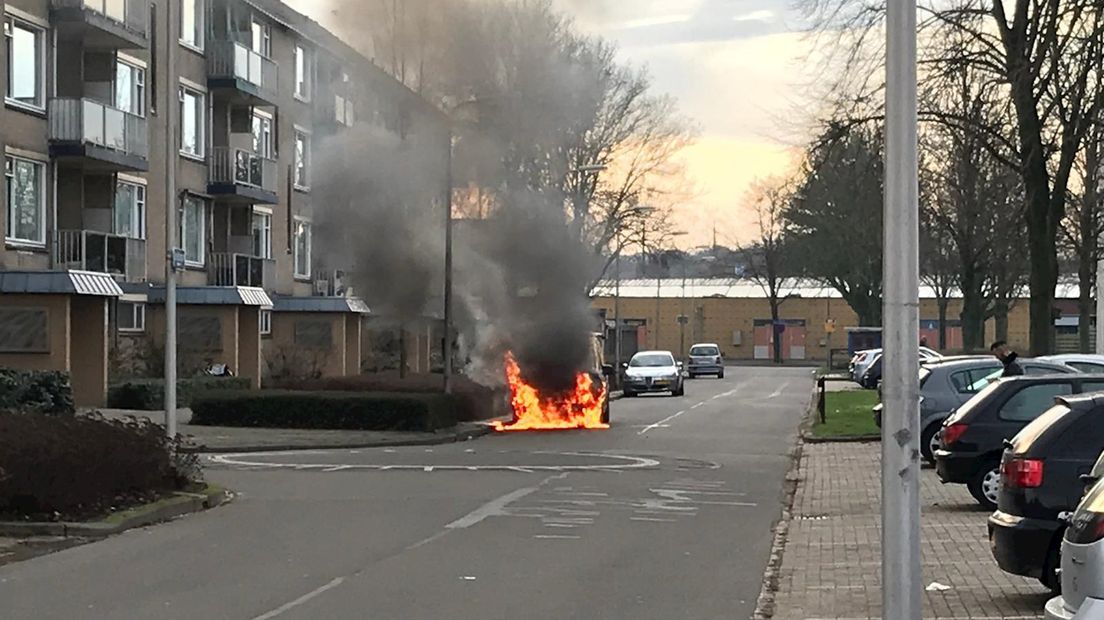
(584, 407)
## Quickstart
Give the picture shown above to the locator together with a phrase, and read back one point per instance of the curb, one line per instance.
(182, 504)
(469, 434)
(807, 438)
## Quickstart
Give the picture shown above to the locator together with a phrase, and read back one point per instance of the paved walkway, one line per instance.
(831, 564)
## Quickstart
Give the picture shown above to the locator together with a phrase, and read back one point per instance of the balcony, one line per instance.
(103, 137)
(88, 250)
(241, 270)
(240, 177)
(246, 76)
(103, 24)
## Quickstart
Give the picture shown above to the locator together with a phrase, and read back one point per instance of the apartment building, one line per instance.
(105, 101)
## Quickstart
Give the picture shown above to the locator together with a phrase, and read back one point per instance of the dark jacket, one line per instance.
(1012, 368)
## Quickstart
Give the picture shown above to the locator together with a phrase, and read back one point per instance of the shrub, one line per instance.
(42, 392)
(474, 402)
(149, 394)
(325, 410)
(81, 466)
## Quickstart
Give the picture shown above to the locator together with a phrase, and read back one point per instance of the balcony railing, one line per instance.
(240, 167)
(240, 270)
(88, 250)
(233, 60)
(130, 14)
(91, 122)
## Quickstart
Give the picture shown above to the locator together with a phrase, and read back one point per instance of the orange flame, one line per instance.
(579, 409)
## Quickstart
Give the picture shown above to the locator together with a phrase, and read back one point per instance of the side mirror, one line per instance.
(679, 365)
(624, 365)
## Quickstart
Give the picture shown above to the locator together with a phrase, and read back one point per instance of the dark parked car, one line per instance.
(1041, 478)
(947, 384)
(972, 439)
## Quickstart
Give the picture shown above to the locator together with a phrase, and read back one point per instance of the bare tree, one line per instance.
(766, 256)
(1044, 55)
(1083, 228)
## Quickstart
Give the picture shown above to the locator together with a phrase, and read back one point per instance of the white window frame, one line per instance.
(200, 23)
(183, 231)
(137, 317)
(303, 61)
(9, 176)
(302, 184)
(138, 85)
(11, 20)
(265, 43)
(302, 224)
(268, 150)
(265, 322)
(138, 212)
(201, 122)
(266, 216)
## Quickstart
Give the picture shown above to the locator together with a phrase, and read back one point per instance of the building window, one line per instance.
(192, 122)
(262, 39)
(191, 23)
(302, 249)
(262, 136)
(193, 230)
(262, 234)
(266, 322)
(302, 73)
(302, 159)
(130, 210)
(26, 64)
(130, 88)
(25, 181)
(344, 112)
(131, 317)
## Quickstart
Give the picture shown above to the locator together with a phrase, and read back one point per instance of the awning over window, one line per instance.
(59, 283)
(214, 296)
(321, 304)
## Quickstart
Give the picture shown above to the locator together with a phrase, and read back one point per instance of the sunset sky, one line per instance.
(736, 67)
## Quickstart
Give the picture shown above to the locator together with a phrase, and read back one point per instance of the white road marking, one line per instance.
(283, 609)
(653, 520)
(778, 392)
(623, 462)
(493, 508)
(555, 537)
(661, 422)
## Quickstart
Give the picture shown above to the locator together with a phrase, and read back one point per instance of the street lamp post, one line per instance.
(902, 593)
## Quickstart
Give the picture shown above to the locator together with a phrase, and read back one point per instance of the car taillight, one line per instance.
(953, 433)
(1086, 528)
(1022, 473)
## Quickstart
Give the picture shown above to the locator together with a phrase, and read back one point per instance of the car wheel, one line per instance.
(1052, 577)
(929, 441)
(720, 375)
(692, 376)
(985, 485)
(680, 391)
(628, 394)
(606, 413)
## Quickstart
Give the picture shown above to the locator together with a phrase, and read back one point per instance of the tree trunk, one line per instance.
(1085, 304)
(973, 317)
(776, 336)
(1000, 316)
(943, 302)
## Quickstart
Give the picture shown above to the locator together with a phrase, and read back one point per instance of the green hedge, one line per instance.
(149, 394)
(43, 392)
(325, 410)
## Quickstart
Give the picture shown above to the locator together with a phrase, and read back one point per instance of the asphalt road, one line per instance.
(666, 515)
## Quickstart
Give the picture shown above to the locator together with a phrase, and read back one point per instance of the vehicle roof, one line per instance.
(705, 344)
(657, 352)
(1072, 357)
(1080, 402)
(946, 359)
(959, 363)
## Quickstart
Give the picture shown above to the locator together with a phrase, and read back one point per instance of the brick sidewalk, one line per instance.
(831, 564)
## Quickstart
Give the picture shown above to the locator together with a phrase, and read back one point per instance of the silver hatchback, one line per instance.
(1083, 557)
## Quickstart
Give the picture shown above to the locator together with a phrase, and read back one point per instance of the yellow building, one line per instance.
(735, 314)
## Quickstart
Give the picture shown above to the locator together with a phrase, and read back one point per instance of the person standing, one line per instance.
(1008, 357)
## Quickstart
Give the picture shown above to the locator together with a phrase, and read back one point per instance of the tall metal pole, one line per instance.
(901, 567)
(617, 313)
(682, 315)
(447, 353)
(172, 208)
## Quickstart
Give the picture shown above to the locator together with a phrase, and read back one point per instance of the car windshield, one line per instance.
(972, 403)
(704, 351)
(1031, 433)
(652, 360)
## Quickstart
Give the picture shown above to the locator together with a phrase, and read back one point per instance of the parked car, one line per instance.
(864, 359)
(653, 371)
(600, 371)
(946, 385)
(1082, 556)
(972, 440)
(1040, 480)
(872, 376)
(1082, 362)
(706, 359)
